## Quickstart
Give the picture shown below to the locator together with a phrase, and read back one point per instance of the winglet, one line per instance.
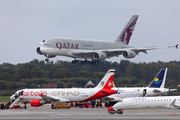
(177, 46)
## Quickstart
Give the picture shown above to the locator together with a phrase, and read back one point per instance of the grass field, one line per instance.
(4, 98)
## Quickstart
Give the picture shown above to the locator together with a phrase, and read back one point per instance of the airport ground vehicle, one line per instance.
(111, 110)
(17, 107)
(60, 105)
(84, 105)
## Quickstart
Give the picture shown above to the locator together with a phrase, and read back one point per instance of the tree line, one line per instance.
(35, 73)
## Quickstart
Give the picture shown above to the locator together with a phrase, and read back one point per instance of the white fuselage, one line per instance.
(135, 92)
(66, 46)
(73, 94)
(148, 102)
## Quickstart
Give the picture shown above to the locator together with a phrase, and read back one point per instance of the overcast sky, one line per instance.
(24, 23)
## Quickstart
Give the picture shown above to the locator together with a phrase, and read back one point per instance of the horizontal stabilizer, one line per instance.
(172, 90)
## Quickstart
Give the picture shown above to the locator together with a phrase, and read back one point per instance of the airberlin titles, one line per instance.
(54, 93)
(71, 45)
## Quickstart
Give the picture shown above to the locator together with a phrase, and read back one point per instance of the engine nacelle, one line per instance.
(36, 102)
(129, 54)
(99, 56)
(49, 56)
(39, 51)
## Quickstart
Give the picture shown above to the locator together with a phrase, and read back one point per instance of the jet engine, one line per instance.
(99, 56)
(129, 54)
(39, 51)
(36, 102)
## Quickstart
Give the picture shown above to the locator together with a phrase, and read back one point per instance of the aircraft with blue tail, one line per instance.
(154, 89)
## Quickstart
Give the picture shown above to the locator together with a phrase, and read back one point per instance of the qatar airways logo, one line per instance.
(67, 45)
(34, 93)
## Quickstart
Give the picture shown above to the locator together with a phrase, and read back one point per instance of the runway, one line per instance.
(46, 113)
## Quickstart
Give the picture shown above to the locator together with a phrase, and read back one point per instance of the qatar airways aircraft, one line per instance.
(161, 102)
(38, 97)
(94, 50)
(155, 88)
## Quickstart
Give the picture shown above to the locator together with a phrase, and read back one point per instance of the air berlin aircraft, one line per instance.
(94, 50)
(38, 97)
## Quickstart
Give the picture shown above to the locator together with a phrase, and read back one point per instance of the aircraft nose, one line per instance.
(116, 106)
(12, 97)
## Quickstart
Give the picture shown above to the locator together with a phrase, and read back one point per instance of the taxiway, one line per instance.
(46, 113)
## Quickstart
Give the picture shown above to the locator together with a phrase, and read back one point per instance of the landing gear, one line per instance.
(93, 62)
(85, 62)
(24, 107)
(74, 61)
(47, 60)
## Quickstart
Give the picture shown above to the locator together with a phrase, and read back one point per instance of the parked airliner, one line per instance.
(172, 102)
(38, 97)
(94, 50)
(155, 88)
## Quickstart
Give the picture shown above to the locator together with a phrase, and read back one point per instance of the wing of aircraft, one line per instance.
(53, 98)
(108, 53)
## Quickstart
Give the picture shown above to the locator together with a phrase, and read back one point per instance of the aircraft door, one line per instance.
(144, 92)
(127, 102)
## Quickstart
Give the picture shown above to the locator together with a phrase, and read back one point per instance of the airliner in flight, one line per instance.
(155, 88)
(172, 102)
(92, 51)
(38, 97)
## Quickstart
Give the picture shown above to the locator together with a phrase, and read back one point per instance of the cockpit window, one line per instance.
(121, 101)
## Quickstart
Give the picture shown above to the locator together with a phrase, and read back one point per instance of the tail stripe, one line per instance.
(125, 35)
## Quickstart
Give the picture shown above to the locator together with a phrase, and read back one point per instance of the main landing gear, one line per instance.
(94, 62)
(47, 60)
(74, 61)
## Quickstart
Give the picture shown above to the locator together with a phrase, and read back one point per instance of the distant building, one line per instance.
(92, 82)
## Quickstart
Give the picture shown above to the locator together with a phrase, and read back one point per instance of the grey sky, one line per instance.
(24, 23)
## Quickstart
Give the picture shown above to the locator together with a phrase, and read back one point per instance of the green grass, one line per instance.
(4, 98)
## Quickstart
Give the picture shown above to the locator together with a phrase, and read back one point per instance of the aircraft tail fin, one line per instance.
(107, 81)
(128, 30)
(159, 80)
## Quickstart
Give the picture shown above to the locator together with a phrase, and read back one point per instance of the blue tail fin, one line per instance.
(159, 80)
